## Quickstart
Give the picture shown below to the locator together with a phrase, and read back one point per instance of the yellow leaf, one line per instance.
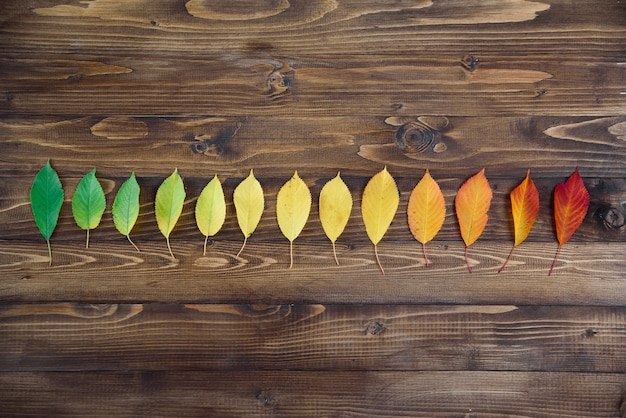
(378, 207)
(472, 204)
(293, 204)
(335, 207)
(249, 204)
(426, 211)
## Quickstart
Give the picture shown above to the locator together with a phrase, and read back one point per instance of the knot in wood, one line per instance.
(611, 217)
(470, 62)
(277, 83)
(416, 137)
(374, 328)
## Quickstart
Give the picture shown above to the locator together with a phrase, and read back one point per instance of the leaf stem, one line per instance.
(290, 254)
(87, 242)
(245, 239)
(558, 251)
(467, 261)
(49, 253)
(380, 266)
(507, 260)
(132, 243)
(167, 240)
(206, 238)
(425, 256)
(335, 253)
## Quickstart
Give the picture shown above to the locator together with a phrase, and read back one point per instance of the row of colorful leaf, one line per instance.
(425, 211)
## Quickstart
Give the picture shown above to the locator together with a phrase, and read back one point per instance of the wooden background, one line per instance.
(220, 87)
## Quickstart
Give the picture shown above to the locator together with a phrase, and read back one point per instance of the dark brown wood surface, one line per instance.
(321, 86)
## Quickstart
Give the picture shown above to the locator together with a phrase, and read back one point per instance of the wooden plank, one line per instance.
(604, 220)
(316, 146)
(71, 337)
(333, 86)
(304, 394)
(586, 274)
(548, 27)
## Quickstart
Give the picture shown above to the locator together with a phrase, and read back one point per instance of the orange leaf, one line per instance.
(525, 208)
(472, 204)
(426, 211)
(571, 202)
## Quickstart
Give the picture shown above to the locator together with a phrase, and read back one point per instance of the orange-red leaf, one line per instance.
(525, 208)
(571, 202)
(472, 204)
(426, 211)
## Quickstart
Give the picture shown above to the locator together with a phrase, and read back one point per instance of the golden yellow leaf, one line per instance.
(472, 204)
(293, 204)
(378, 207)
(334, 207)
(249, 204)
(426, 211)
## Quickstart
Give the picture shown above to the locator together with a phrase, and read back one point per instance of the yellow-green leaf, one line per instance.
(426, 211)
(335, 206)
(378, 207)
(293, 204)
(211, 209)
(249, 205)
(170, 198)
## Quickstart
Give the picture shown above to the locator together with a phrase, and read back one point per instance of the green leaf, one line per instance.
(170, 198)
(211, 209)
(125, 208)
(46, 198)
(88, 203)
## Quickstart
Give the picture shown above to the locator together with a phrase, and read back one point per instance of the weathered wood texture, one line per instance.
(312, 337)
(220, 87)
(314, 394)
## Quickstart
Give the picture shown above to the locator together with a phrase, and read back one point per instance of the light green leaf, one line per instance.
(293, 204)
(170, 198)
(249, 204)
(335, 207)
(88, 203)
(125, 208)
(211, 209)
(46, 198)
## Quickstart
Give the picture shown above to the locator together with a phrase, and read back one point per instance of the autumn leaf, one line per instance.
(571, 202)
(46, 199)
(125, 208)
(472, 204)
(525, 208)
(426, 211)
(293, 204)
(88, 203)
(335, 205)
(249, 205)
(211, 210)
(378, 207)
(168, 205)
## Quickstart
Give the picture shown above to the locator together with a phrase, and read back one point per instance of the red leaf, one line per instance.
(571, 202)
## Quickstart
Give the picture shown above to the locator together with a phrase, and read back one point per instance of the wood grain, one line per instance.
(65, 337)
(587, 274)
(313, 394)
(316, 146)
